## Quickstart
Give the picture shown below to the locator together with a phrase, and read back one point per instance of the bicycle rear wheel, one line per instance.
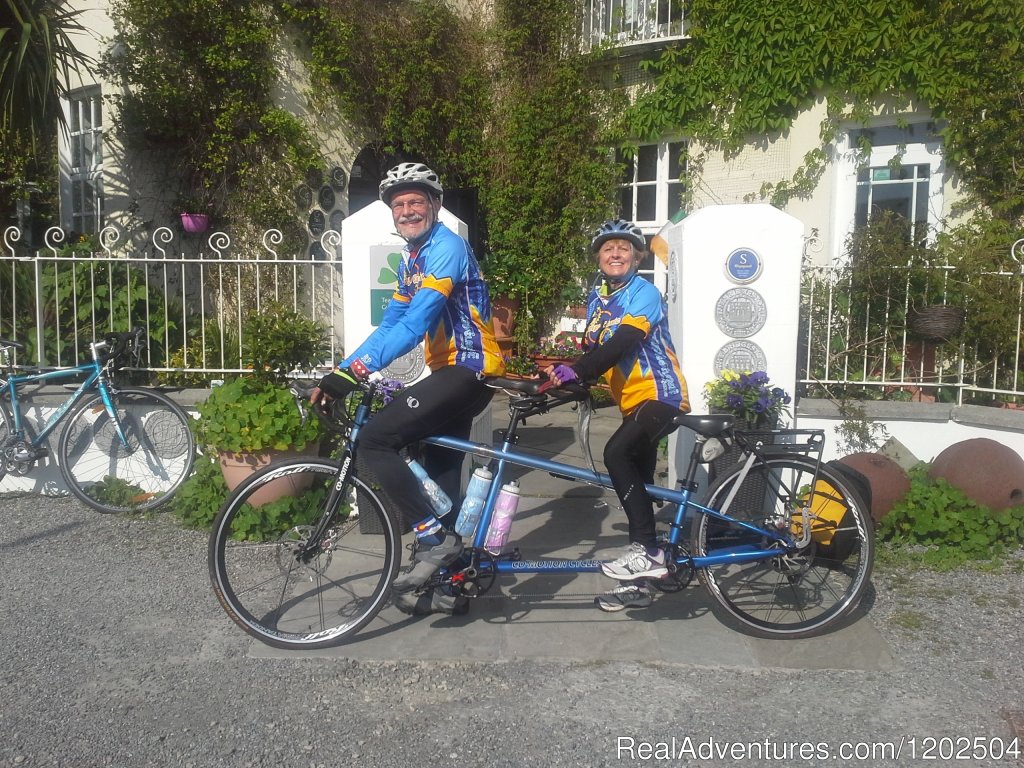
(281, 594)
(796, 594)
(111, 477)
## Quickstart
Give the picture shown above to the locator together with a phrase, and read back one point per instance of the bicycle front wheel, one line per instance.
(798, 593)
(110, 476)
(279, 589)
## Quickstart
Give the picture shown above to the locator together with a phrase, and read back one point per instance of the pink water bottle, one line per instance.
(505, 507)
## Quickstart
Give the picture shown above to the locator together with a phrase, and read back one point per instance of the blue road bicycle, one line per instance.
(121, 449)
(783, 544)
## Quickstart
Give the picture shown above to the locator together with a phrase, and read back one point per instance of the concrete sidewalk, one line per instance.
(553, 617)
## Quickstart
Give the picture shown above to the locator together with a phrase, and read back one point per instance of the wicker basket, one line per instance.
(938, 322)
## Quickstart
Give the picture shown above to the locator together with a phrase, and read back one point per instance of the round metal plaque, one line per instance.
(743, 266)
(740, 356)
(741, 312)
(408, 367)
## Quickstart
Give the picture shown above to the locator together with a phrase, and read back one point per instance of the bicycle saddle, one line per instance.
(704, 424)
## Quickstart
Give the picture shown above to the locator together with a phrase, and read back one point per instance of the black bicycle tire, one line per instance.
(828, 619)
(372, 511)
(5, 432)
(184, 462)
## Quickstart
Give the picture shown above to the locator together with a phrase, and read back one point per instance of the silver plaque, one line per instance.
(741, 312)
(408, 367)
(740, 356)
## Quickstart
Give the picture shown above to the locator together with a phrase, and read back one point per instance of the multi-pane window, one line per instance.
(902, 190)
(82, 162)
(889, 168)
(651, 193)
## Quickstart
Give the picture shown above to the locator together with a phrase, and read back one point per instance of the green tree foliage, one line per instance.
(37, 57)
(549, 179)
(507, 107)
(414, 76)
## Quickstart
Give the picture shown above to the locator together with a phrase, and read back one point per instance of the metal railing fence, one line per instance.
(854, 341)
(58, 299)
(880, 340)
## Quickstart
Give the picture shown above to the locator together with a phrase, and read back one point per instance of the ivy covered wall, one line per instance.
(752, 73)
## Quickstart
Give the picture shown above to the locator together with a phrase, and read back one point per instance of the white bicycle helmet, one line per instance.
(617, 229)
(405, 176)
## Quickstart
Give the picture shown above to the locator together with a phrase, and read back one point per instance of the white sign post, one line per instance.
(733, 300)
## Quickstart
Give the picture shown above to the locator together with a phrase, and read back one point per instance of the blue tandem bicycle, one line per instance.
(784, 542)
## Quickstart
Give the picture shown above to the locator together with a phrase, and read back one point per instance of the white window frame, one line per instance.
(664, 184)
(89, 175)
(850, 159)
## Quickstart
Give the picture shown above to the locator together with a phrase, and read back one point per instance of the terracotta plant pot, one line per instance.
(236, 467)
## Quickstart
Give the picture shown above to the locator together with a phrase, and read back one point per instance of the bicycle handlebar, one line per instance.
(121, 349)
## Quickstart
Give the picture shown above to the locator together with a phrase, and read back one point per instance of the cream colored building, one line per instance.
(101, 183)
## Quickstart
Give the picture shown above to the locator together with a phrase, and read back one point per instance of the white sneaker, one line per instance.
(628, 595)
(636, 564)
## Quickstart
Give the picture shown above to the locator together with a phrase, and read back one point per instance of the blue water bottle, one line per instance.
(438, 499)
(473, 505)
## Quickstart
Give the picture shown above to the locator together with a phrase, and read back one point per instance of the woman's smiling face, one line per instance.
(615, 259)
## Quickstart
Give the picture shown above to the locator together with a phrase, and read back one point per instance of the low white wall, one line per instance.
(925, 429)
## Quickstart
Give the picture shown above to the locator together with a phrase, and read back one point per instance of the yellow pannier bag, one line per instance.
(832, 525)
(826, 511)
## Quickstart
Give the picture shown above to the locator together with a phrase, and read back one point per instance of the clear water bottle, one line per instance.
(438, 499)
(473, 505)
(504, 510)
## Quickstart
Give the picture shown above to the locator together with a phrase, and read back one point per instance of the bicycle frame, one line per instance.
(507, 454)
(94, 376)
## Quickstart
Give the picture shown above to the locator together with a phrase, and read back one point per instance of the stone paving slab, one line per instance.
(553, 617)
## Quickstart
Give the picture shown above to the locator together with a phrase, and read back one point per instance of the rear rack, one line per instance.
(782, 441)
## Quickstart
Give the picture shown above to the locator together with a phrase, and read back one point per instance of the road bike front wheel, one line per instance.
(798, 593)
(284, 592)
(110, 476)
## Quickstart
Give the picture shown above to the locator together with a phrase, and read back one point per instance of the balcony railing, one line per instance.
(621, 23)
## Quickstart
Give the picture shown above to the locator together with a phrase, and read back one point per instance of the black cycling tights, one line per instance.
(444, 403)
(631, 456)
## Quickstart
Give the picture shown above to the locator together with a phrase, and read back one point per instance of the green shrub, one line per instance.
(937, 515)
(197, 501)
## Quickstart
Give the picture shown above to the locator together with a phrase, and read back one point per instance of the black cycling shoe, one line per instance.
(432, 601)
(427, 562)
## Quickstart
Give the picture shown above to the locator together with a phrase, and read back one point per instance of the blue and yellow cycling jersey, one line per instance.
(650, 370)
(440, 298)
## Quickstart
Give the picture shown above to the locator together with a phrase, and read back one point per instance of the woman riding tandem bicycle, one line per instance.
(627, 338)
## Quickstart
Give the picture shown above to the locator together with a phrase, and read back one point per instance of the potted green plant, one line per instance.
(251, 420)
(195, 210)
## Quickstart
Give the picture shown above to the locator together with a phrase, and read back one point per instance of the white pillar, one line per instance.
(733, 300)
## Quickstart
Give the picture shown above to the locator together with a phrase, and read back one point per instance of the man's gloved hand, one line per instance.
(336, 384)
(564, 374)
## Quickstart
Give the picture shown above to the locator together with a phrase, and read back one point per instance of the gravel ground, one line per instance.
(113, 652)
